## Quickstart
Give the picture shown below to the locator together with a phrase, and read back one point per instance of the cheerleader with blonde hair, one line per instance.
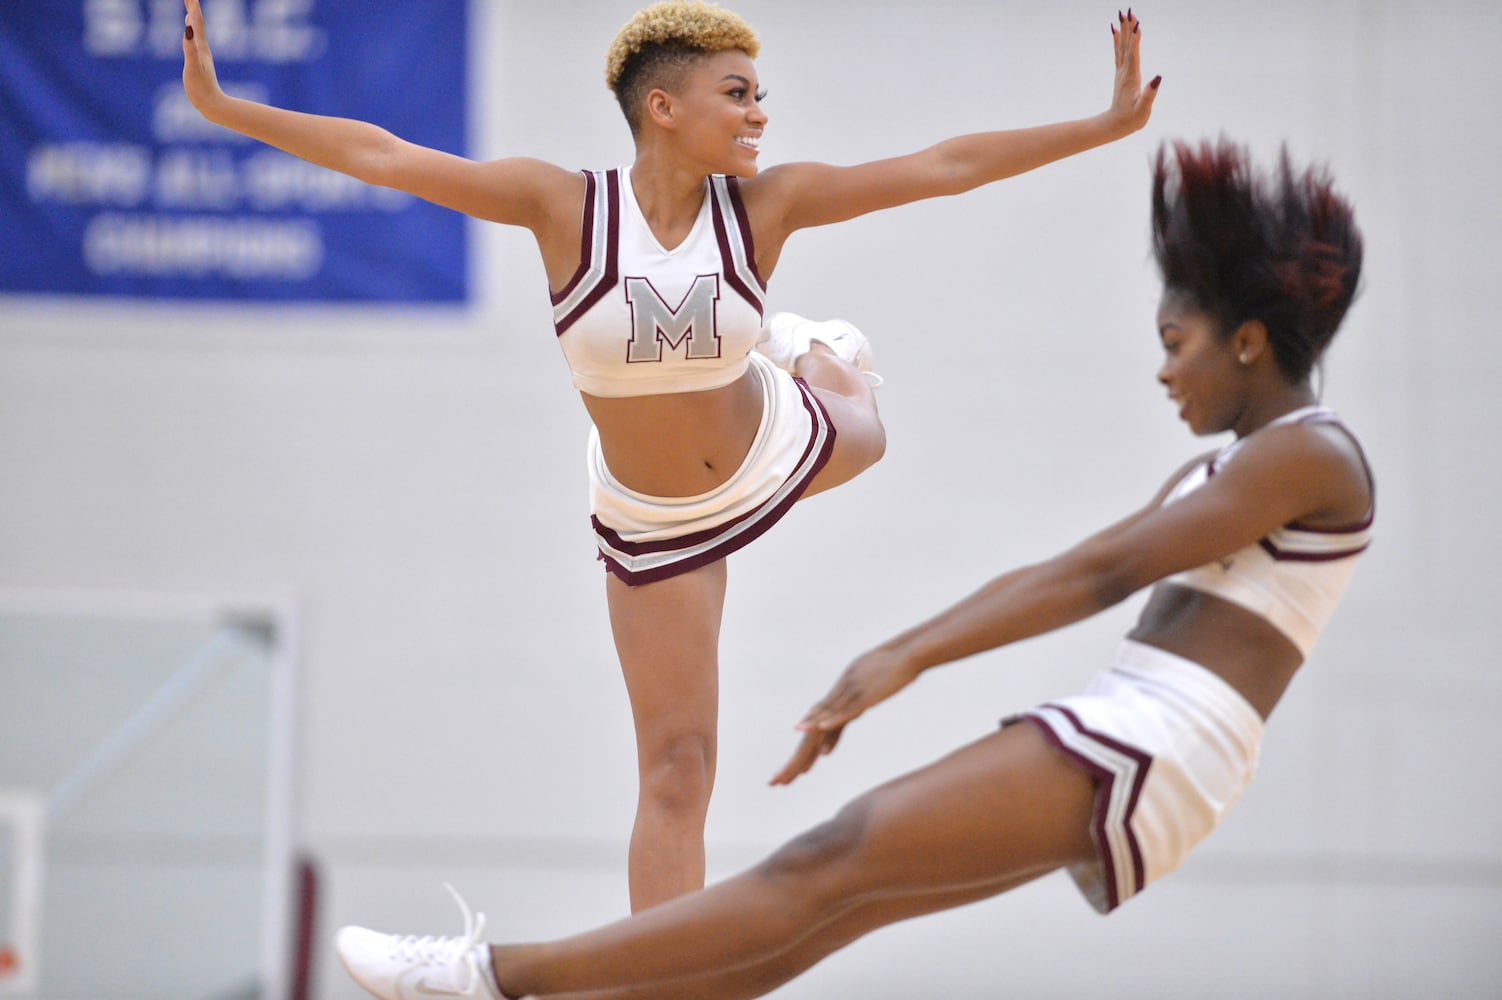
(710, 419)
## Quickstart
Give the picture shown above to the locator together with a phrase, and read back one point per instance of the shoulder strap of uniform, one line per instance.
(733, 234)
(600, 239)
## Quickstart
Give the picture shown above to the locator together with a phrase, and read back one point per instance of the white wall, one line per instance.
(413, 479)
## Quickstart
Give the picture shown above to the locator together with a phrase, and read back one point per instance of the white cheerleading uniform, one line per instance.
(640, 319)
(1171, 747)
(1293, 578)
(1170, 744)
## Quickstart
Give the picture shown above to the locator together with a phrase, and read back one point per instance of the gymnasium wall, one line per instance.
(411, 481)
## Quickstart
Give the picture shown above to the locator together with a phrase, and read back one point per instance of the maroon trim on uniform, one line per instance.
(1365, 523)
(1105, 782)
(727, 257)
(1345, 529)
(606, 270)
(1326, 417)
(766, 515)
(665, 544)
(733, 186)
(1289, 555)
(586, 238)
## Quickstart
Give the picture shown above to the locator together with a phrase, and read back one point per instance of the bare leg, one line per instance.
(860, 439)
(762, 977)
(1013, 808)
(667, 637)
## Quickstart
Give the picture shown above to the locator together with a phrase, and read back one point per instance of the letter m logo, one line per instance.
(691, 326)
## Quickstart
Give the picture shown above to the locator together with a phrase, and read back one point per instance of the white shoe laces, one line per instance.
(457, 954)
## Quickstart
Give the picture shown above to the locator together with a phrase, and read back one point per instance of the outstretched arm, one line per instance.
(816, 194)
(1019, 604)
(1288, 474)
(515, 191)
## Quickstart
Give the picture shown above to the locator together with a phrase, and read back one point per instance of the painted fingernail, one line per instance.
(188, 32)
(1156, 80)
(1136, 26)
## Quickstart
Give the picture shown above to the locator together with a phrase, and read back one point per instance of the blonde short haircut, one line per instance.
(665, 37)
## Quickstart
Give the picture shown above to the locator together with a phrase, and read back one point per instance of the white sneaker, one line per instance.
(786, 337)
(408, 967)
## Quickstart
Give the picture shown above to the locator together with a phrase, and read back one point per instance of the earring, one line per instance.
(1245, 359)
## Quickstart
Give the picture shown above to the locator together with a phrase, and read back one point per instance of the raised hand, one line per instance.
(1131, 102)
(199, 79)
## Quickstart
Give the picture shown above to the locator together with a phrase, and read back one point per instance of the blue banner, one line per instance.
(112, 184)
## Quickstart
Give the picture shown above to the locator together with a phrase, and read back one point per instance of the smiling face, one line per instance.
(1201, 369)
(716, 114)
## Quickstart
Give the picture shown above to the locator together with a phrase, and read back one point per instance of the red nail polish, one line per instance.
(1136, 26)
(188, 32)
(1156, 80)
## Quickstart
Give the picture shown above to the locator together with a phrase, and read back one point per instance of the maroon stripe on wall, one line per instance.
(304, 943)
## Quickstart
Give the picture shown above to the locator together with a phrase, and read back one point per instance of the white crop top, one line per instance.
(637, 319)
(1295, 576)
